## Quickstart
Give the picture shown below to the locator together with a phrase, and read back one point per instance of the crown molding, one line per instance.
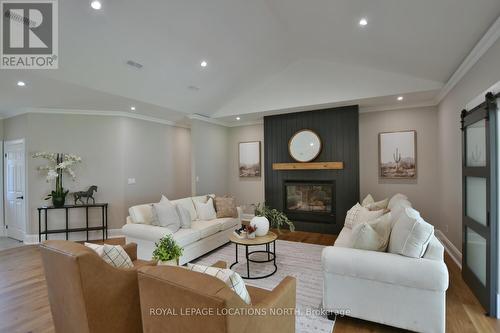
(247, 123)
(98, 113)
(396, 107)
(484, 44)
(206, 119)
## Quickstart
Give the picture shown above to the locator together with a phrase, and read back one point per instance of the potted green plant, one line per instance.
(167, 251)
(276, 218)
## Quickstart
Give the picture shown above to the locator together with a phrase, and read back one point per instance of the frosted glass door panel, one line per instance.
(476, 255)
(475, 188)
(476, 144)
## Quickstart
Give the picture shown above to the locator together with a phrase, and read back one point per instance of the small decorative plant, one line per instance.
(57, 166)
(276, 218)
(167, 250)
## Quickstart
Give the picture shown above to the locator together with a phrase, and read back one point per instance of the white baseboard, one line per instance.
(30, 239)
(451, 249)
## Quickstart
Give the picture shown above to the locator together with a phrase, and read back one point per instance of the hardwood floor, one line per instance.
(24, 305)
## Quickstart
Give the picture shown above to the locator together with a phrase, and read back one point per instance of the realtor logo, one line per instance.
(29, 38)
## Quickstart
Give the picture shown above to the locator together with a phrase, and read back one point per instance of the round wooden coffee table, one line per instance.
(262, 240)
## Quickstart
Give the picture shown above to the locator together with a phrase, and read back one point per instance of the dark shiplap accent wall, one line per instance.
(338, 130)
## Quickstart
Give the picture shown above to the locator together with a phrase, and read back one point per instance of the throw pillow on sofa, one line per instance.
(142, 214)
(372, 235)
(225, 207)
(410, 235)
(359, 214)
(229, 277)
(184, 216)
(99, 249)
(188, 204)
(116, 256)
(394, 200)
(205, 211)
(367, 200)
(166, 215)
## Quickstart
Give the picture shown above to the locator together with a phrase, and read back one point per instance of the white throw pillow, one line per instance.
(398, 209)
(205, 211)
(229, 277)
(395, 198)
(367, 200)
(99, 249)
(382, 204)
(142, 214)
(410, 235)
(359, 214)
(363, 237)
(372, 235)
(184, 216)
(116, 256)
(202, 198)
(166, 215)
(188, 204)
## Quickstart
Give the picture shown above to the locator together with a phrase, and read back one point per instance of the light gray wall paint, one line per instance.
(483, 75)
(113, 149)
(209, 146)
(246, 191)
(422, 191)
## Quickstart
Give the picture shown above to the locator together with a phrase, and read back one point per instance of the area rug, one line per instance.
(300, 260)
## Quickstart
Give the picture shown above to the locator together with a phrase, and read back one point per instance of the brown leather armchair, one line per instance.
(86, 294)
(177, 300)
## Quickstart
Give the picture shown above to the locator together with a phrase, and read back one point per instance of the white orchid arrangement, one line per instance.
(58, 164)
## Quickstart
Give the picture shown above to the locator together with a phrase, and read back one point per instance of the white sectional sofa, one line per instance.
(387, 288)
(201, 238)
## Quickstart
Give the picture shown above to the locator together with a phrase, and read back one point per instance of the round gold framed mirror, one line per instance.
(304, 146)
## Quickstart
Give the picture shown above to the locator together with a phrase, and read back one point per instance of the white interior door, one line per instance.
(14, 166)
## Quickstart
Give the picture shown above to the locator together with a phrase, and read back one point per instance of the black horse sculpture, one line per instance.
(89, 194)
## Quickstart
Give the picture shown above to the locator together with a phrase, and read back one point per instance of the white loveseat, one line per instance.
(203, 236)
(386, 288)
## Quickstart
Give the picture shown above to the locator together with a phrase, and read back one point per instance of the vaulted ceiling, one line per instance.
(263, 55)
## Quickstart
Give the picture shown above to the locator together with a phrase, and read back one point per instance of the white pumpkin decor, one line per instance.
(262, 225)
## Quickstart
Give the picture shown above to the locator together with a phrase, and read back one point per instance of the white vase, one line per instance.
(172, 262)
(262, 225)
(251, 236)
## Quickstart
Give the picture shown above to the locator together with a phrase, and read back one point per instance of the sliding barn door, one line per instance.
(479, 202)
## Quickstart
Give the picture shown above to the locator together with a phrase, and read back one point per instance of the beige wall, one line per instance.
(113, 149)
(247, 191)
(483, 75)
(209, 146)
(422, 191)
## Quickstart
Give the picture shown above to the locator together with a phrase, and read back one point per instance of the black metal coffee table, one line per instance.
(266, 240)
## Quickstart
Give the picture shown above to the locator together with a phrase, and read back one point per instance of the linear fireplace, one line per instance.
(309, 200)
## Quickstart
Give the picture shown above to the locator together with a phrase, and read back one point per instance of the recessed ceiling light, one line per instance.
(21, 83)
(238, 118)
(363, 22)
(96, 4)
(132, 108)
(400, 98)
(203, 63)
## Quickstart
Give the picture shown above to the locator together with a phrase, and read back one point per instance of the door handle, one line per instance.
(21, 197)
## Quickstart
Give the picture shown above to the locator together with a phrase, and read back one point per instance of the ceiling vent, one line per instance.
(134, 64)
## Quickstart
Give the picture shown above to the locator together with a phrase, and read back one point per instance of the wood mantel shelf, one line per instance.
(309, 166)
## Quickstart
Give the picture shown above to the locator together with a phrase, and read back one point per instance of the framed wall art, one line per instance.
(398, 155)
(249, 159)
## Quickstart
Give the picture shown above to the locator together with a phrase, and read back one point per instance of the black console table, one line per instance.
(67, 230)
